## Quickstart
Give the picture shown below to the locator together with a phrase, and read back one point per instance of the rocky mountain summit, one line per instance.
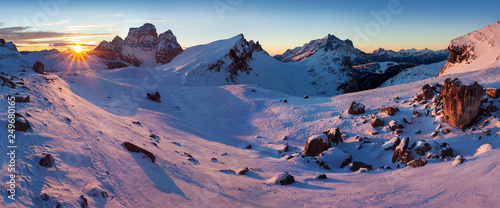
(141, 46)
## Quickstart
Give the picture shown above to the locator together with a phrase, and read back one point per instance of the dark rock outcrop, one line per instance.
(355, 166)
(334, 135)
(356, 108)
(38, 67)
(154, 96)
(446, 150)
(134, 148)
(394, 125)
(376, 121)
(21, 123)
(167, 48)
(402, 153)
(46, 161)
(461, 103)
(316, 145)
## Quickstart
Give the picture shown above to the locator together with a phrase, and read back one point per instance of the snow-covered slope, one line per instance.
(414, 74)
(414, 56)
(200, 134)
(475, 51)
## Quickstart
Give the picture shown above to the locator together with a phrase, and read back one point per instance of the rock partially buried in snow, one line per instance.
(38, 67)
(282, 179)
(483, 149)
(356, 108)
(316, 144)
(355, 166)
(389, 110)
(393, 125)
(134, 148)
(461, 103)
(458, 160)
(242, 171)
(154, 96)
(21, 123)
(376, 121)
(46, 161)
(335, 157)
(334, 135)
(416, 163)
(402, 153)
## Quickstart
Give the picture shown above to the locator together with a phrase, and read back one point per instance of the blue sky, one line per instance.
(277, 25)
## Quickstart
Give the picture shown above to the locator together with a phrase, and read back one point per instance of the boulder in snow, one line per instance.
(416, 163)
(422, 148)
(376, 121)
(393, 125)
(483, 149)
(21, 123)
(356, 108)
(282, 179)
(355, 166)
(316, 144)
(134, 148)
(402, 153)
(46, 161)
(334, 135)
(154, 96)
(335, 157)
(391, 110)
(38, 67)
(461, 102)
(446, 150)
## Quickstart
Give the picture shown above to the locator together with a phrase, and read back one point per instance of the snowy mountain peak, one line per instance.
(477, 50)
(328, 43)
(8, 45)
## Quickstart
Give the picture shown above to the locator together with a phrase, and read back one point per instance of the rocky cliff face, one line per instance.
(142, 45)
(461, 102)
(475, 51)
(237, 59)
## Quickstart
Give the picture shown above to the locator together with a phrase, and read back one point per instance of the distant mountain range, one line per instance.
(324, 67)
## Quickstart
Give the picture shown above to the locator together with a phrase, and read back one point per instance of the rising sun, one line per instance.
(77, 48)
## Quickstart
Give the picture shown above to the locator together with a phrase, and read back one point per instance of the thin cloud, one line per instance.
(1, 24)
(21, 35)
(70, 44)
(152, 20)
(85, 27)
(118, 15)
(56, 23)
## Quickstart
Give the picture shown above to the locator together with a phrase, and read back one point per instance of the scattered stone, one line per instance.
(446, 150)
(486, 131)
(385, 167)
(153, 136)
(393, 125)
(306, 96)
(46, 161)
(355, 166)
(227, 171)
(416, 163)
(418, 132)
(136, 122)
(398, 131)
(21, 99)
(376, 121)
(284, 138)
(134, 148)
(445, 131)
(5, 80)
(285, 101)
(242, 171)
(286, 147)
(38, 67)
(322, 177)
(356, 108)
(493, 92)
(44, 197)
(434, 133)
(334, 135)
(390, 110)
(21, 123)
(427, 112)
(282, 179)
(461, 102)
(154, 97)
(392, 144)
(373, 131)
(317, 144)
(248, 147)
(459, 159)
(425, 93)
(402, 153)
(422, 148)
(213, 159)
(406, 121)
(84, 202)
